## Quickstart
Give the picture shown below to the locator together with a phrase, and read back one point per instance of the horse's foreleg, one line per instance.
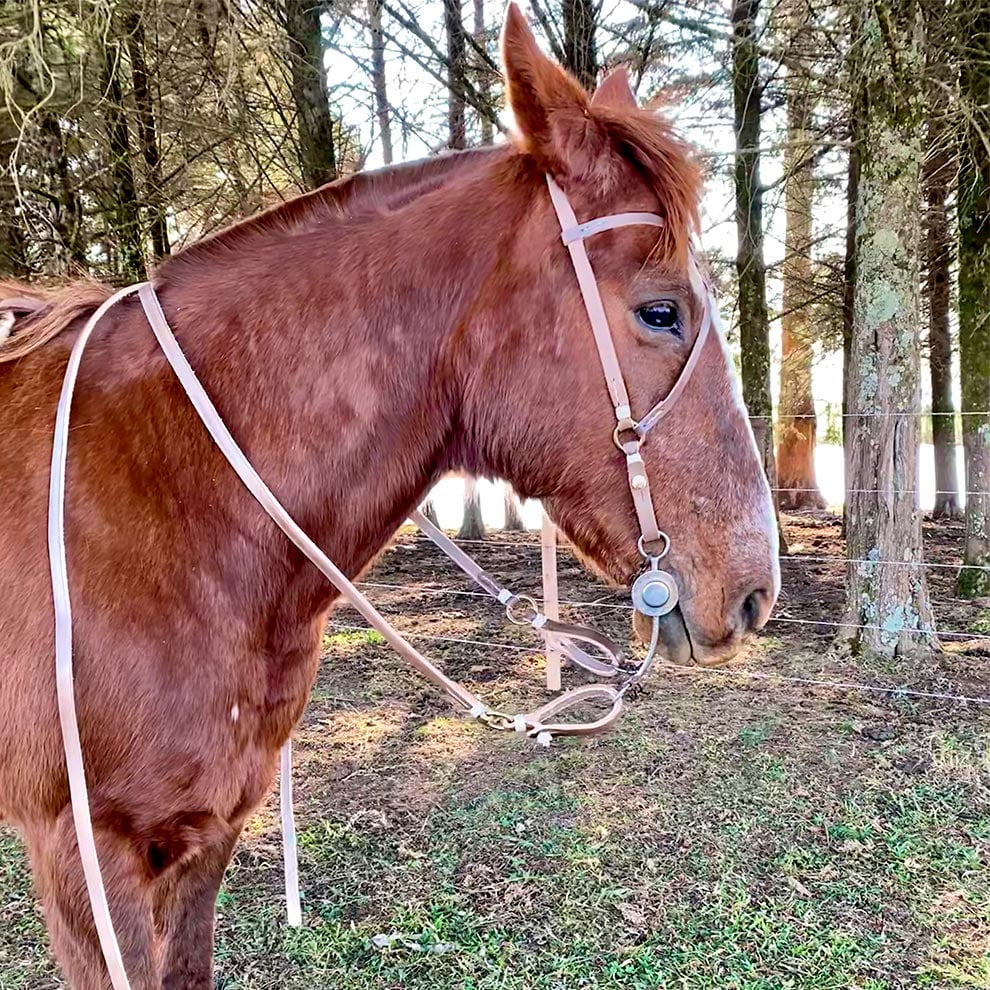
(62, 889)
(185, 911)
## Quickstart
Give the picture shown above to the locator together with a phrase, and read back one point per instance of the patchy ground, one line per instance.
(741, 829)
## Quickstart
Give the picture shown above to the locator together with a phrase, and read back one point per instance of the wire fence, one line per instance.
(524, 543)
(903, 692)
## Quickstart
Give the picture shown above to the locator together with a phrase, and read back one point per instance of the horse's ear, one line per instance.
(615, 92)
(549, 106)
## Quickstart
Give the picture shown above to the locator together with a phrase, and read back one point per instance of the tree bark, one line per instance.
(580, 48)
(939, 168)
(456, 73)
(798, 423)
(383, 110)
(856, 115)
(513, 509)
(754, 330)
(484, 72)
(317, 158)
(154, 194)
(124, 210)
(887, 606)
(472, 525)
(974, 296)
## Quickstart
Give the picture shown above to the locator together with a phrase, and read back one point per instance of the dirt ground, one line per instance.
(746, 828)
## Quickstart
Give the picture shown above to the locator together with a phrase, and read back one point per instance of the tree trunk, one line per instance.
(472, 526)
(154, 194)
(124, 211)
(856, 115)
(317, 158)
(939, 167)
(887, 607)
(484, 73)
(67, 211)
(513, 509)
(797, 481)
(974, 298)
(754, 330)
(580, 49)
(456, 73)
(383, 110)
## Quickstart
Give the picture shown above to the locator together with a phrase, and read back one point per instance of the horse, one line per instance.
(360, 341)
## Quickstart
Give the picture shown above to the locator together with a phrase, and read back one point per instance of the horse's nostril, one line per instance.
(754, 610)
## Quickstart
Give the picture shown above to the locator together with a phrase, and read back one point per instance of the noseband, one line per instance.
(654, 593)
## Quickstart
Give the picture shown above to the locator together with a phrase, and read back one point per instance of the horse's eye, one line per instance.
(660, 317)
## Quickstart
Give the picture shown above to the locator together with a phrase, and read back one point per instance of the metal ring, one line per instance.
(633, 445)
(654, 556)
(513, 602)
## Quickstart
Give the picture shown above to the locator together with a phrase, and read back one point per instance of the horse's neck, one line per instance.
(331, 353)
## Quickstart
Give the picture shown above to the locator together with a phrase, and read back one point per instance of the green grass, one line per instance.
(750, 882)
(744, 856)
(351, 638)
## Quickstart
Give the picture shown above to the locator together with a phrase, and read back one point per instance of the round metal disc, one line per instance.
(654, 593)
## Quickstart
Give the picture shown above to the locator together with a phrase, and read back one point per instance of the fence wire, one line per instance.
(899, 692)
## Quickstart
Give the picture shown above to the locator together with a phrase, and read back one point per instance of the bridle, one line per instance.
(654, 593)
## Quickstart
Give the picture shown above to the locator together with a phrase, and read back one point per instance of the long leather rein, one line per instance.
(654, 592)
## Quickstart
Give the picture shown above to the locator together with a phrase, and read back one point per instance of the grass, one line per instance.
(352, 638)
(533, 886)
(576, 869)
(728, 836)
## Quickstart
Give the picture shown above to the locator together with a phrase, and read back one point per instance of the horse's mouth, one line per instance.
(675, 638)
(676, 645)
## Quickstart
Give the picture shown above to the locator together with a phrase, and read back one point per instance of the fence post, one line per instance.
(548, 557)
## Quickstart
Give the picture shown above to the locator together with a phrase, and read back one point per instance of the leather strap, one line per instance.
(467, 564)
(591, 227)
(290, 852)
(564, 636)
(592, 303)
(573, 234)
(75, 768)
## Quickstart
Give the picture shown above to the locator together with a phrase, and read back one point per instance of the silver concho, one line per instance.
(654, 593)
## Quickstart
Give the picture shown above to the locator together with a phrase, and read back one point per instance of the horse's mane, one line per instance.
(647, 140)
(644, 139)
(49, 311)
(57, 308)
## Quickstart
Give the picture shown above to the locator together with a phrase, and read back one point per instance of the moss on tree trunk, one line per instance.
(888, 612)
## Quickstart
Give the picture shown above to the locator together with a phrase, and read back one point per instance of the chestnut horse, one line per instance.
(359, 341)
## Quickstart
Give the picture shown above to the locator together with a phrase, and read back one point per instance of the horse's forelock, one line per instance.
(647, 141)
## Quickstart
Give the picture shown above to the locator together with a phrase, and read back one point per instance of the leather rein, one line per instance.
(654, 593)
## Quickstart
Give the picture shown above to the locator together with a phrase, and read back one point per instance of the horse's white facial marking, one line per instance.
(6, 326)
(235, 713)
